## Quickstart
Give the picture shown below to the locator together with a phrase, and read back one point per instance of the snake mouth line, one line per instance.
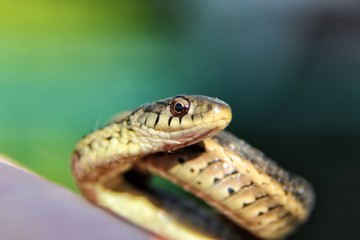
(194, 134)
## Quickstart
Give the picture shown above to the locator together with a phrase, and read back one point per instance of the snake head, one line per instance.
(179, 121)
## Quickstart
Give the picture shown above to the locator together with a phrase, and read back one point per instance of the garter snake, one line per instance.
(182, 139)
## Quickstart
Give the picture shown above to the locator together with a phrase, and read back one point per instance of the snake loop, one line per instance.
(182, 139)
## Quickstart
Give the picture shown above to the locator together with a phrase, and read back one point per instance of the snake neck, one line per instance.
(107, 151)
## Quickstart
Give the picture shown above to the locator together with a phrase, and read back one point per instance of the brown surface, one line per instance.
(35, 209)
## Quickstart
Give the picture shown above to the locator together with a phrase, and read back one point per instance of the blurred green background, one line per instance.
(290, 71)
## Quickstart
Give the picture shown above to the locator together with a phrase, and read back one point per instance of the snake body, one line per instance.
(181, 139)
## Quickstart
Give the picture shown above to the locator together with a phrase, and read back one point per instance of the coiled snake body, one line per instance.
(181, 139)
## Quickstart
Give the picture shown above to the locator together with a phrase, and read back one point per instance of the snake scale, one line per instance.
(182, 140)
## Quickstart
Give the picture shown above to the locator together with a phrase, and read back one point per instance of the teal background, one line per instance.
(290, 71)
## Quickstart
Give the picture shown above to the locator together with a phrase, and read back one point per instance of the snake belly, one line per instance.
(181, 139)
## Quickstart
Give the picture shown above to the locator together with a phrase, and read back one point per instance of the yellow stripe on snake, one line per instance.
(182, 140)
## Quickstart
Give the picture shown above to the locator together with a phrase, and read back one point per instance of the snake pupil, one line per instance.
(179, 107)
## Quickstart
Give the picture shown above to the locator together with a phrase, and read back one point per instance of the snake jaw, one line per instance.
(192, 137)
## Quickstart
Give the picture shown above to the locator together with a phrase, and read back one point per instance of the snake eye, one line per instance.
(179, 106)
